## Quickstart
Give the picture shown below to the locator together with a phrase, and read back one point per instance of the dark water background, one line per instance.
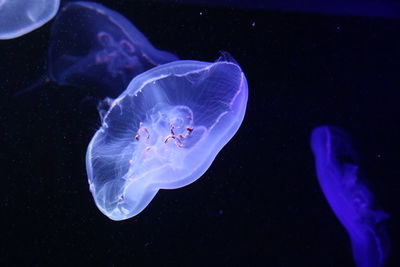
(260, 203)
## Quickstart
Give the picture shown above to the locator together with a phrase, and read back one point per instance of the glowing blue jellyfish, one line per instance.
(18, 17)
(163, 132)
(92, 45)
(337, 167)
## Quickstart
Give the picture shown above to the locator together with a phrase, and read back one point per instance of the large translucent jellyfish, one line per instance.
(337, 166)
(163, 132)
(92, 45)
(18, 17)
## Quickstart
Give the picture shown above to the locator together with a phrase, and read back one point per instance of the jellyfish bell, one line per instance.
(97, 49)
(163, 132)
(19, 17)
(92, 45)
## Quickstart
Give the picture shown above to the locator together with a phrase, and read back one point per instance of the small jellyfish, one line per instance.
(337, 165)
(92, 45)
(18, 17)
(163, 132)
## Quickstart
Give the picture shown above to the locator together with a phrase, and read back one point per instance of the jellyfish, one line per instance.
(92, 45)
(163, 132)
(337, 166)
(19, 17)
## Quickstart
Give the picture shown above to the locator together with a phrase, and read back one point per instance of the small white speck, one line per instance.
(337, 27)
(379, 155)
(253, 24)
(200, 13)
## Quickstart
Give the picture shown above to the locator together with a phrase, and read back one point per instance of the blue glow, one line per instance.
(337, 165)
(92, 45)
(163, 132)
(19, 17)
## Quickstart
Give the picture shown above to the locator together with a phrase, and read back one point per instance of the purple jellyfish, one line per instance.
(337, 165)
